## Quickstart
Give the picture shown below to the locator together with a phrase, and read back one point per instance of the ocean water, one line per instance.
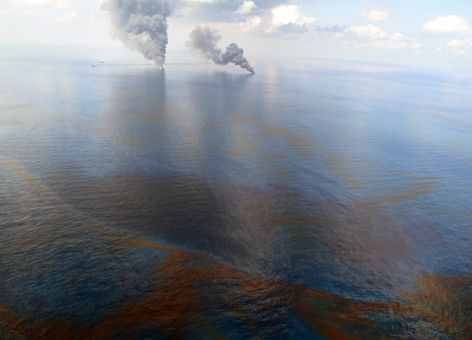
(323, 201)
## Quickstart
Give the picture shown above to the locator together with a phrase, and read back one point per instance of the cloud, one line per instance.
(288, 18)
(63, 19)
(247, 25)
(373, 36)
(246, 7)
(377, 15)
(460, 46)
(38, 4)
(55, 12)
(224, 10)
(369, 31)
(447, 24)
(251, 23)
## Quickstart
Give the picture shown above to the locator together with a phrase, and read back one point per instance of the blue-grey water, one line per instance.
(327, 201)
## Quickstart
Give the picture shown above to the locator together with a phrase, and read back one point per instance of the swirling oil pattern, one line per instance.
(138, 203)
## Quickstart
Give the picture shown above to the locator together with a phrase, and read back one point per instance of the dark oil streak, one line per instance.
(178, 301)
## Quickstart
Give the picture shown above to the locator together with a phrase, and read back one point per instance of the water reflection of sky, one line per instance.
(354, 182)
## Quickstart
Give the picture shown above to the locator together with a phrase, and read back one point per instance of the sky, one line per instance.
(432, 33)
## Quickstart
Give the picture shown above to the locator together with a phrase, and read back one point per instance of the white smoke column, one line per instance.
(141, 25)
(205, 41)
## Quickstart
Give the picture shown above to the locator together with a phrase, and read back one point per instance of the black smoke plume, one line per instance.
(205, 41)
(141, 25)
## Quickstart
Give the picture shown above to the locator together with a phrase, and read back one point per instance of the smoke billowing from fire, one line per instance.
(205, 41)
(141, 25)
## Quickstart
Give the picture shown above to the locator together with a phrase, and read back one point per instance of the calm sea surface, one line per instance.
(324, 202)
